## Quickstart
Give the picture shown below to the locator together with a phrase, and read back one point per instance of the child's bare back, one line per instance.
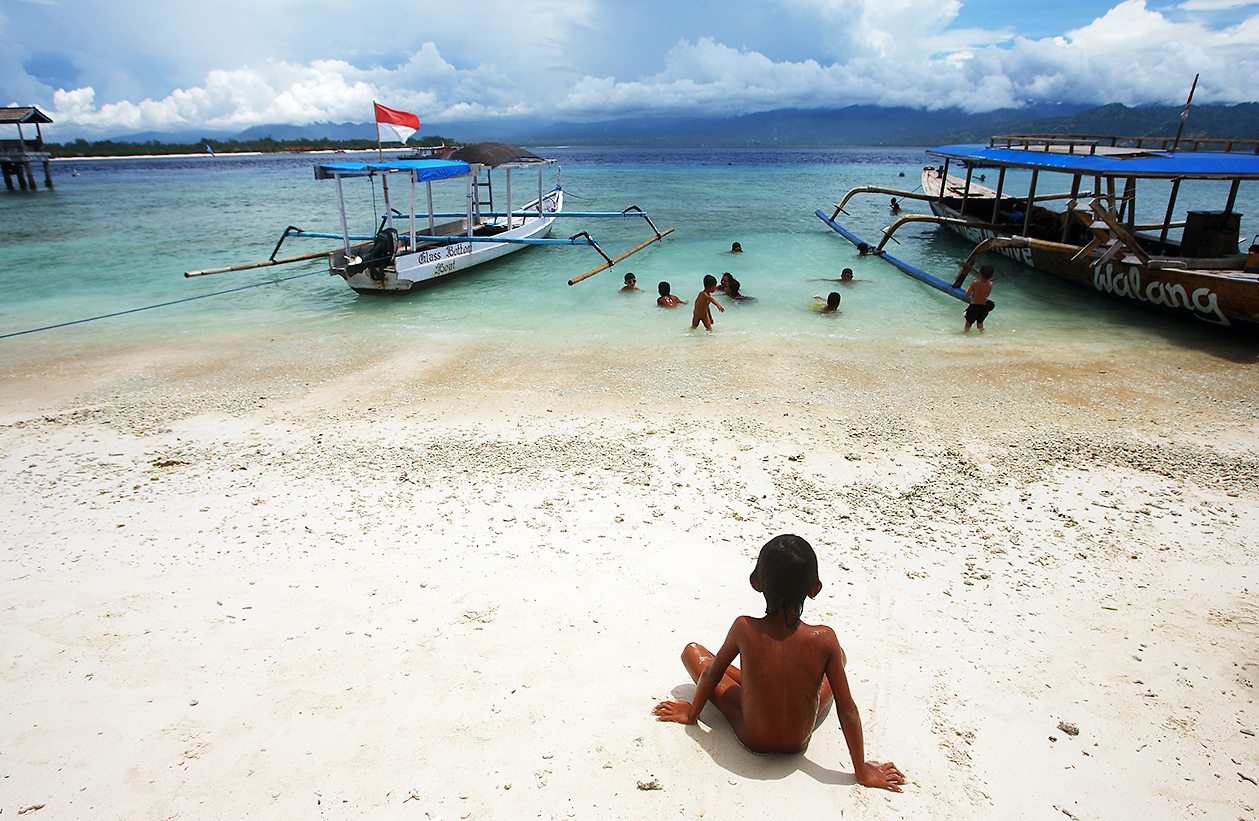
(779, 703)
(791, 670)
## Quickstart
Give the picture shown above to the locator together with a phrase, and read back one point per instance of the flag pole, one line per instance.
(384, 177)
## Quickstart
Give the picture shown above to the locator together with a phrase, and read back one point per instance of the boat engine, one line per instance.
(381, 254)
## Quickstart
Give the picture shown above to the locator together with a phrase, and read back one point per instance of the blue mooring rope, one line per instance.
(162, 305)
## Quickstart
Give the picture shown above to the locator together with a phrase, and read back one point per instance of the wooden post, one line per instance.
(1171, 204)
(1128, 209)
(970, 169)
(509, 214)
(345, 230)
(428, 188)
(944, 180)
(8, 175)
(1066, 222)
(411, 180)
(1031, 198)
(1232, 197)
(47, 174)
(996, 205)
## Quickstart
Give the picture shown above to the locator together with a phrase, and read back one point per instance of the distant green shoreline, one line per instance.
(266, 145)
(850, 127)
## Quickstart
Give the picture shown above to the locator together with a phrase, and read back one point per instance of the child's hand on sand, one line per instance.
(677, 711)
(874, 774)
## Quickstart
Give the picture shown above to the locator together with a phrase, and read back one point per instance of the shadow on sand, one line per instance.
(725, 750)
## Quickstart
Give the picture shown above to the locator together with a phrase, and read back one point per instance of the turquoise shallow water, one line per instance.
(120, 235)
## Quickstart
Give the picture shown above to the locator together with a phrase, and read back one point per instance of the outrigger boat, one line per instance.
(414, 250)
(1094, 241)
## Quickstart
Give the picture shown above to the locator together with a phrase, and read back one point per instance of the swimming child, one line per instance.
(895, 206)
(831, 305)
(667, 300)
(980, 305)
(732, 290)
(723, 284)
(791, 670)
(631, 283)
(704, 302)
(845, 277)
(736, 248)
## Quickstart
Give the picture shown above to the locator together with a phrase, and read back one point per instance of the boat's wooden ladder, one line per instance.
(481, 204)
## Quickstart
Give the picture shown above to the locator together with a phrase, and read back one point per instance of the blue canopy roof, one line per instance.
(425, 170)
(1148, 164)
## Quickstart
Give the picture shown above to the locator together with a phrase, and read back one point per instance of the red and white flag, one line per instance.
(395, 126)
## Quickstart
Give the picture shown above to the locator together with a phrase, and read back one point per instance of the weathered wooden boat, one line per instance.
(414, 250)
(1188, 266)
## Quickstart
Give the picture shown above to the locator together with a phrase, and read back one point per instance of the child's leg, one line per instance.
(728, 695)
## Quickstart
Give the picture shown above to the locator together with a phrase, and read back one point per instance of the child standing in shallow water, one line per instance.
(791, 670)
(704, 302)
(980, 305)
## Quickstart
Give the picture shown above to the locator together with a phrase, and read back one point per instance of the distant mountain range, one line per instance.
(855, 125)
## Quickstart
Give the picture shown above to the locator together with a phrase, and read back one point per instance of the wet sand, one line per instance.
(285, 578)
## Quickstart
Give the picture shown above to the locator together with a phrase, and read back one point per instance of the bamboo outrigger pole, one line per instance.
(666, 232)
(245, 266)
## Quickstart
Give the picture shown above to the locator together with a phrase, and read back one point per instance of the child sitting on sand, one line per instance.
(667, 300)
(704, 302)
(790, 669)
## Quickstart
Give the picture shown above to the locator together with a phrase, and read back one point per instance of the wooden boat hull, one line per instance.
(1226, 299)
(427, 266)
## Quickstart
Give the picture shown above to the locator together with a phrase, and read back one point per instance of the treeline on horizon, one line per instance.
(265, 145)
(820, 128)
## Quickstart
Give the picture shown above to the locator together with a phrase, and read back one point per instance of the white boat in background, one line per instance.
(417, 249)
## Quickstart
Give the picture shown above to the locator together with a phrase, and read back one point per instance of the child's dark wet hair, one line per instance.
(732, 288)
(710, 281)
(832, 300)
(786, 572)
(663, 288)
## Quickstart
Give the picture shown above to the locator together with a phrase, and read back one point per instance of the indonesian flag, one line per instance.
(395, 126)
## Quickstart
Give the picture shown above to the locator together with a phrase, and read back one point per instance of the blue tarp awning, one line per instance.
(425, 170)
(1151, 164)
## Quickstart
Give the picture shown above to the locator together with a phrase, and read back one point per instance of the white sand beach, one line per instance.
(275, 580)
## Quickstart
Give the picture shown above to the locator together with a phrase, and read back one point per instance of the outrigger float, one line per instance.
(414, 250)
(1196, 273)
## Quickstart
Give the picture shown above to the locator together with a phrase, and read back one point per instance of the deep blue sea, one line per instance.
(120, 234)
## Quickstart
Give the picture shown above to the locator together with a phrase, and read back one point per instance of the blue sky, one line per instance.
(152, 65)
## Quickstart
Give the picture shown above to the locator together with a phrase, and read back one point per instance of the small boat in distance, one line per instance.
(413, 250)
(1190, 267)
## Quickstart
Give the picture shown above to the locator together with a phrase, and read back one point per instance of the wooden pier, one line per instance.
(17, 156)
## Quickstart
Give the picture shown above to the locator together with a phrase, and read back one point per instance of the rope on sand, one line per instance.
(159, 305)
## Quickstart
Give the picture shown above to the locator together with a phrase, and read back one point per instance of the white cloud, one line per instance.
(1216, 5)
(885, 52)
